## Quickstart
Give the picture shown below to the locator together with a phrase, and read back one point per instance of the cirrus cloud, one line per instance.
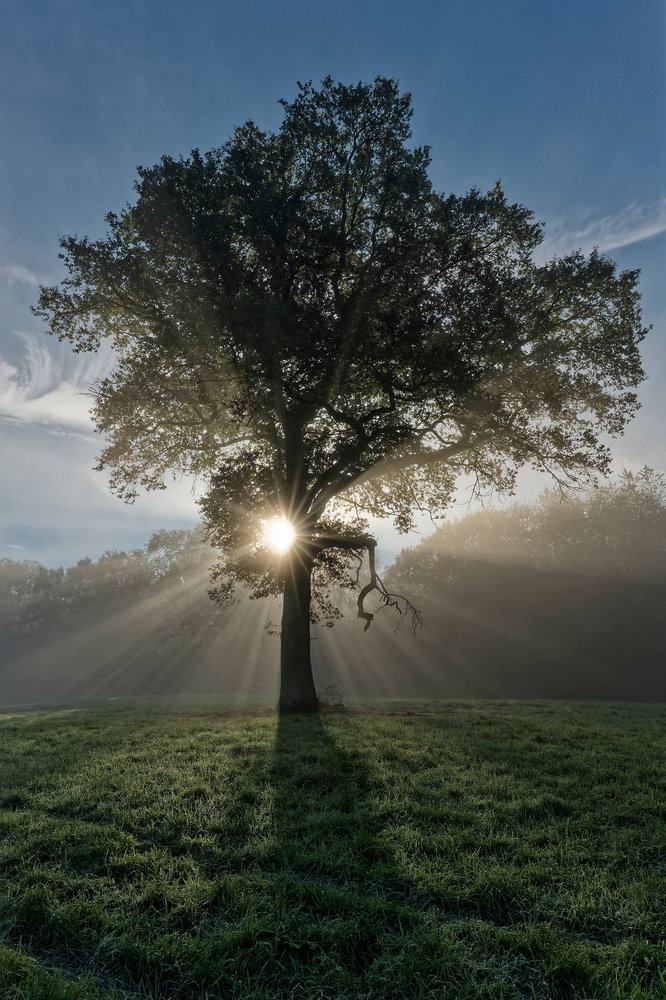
(579, 231)
(49, 386)
(17, 274)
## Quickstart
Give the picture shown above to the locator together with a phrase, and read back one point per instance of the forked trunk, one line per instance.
(297, 690)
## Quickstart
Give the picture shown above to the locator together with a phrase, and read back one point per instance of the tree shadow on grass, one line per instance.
(336, 895)
(263, 875)
(322, 858)
(368, 895)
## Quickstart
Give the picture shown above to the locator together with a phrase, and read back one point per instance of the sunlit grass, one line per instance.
(470, 851)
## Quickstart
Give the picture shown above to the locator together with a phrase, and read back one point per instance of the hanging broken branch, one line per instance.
(388, 600)
(356, 544)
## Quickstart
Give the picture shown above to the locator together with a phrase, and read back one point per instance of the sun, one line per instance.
(281, 534)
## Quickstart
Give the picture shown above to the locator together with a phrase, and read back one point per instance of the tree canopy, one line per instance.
(616, 529)
(301, 321)
(560, 598)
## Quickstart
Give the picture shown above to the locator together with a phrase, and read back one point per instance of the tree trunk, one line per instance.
(297, 690)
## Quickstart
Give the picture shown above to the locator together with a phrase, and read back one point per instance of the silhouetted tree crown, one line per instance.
(302, 322)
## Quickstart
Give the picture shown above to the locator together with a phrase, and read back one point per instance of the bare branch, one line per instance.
(388, 599)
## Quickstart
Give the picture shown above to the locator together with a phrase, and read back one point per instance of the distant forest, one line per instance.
(563, 598)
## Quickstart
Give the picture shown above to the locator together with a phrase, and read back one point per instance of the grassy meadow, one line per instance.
(458, 850)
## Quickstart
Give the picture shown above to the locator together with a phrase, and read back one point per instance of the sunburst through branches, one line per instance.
(280, 534)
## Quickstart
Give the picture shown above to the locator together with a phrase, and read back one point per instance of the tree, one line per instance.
(617, 528)
(301, 321)
(560, 598)
(127, 623)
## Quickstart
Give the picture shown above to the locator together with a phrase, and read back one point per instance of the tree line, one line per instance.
(558, 598)
(117, 625)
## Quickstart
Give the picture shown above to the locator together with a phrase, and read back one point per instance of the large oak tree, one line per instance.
(304, 324)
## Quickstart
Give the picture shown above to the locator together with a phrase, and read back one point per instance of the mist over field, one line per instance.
(558, 599)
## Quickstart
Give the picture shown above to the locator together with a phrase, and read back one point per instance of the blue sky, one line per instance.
(564, 102)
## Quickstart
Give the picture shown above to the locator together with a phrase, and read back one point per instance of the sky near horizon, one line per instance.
(565, 103)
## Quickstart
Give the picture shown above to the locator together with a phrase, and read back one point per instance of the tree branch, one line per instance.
(388, 600)
(390, 465)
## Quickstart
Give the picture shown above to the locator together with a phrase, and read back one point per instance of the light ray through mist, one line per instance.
(112, 654)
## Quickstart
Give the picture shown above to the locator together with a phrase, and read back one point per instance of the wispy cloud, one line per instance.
(581, 231)
(16, 274)
(49, 386)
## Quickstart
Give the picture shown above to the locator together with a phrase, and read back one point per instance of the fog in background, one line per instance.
(555, 599)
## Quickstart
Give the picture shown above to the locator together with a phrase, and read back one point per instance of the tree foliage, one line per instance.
(301, 321)
(616, 528)
(163, 571)
(561, 598)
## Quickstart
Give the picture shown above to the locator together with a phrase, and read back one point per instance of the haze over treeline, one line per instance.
(556, 599)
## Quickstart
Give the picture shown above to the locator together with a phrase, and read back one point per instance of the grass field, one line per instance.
(464, 851)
